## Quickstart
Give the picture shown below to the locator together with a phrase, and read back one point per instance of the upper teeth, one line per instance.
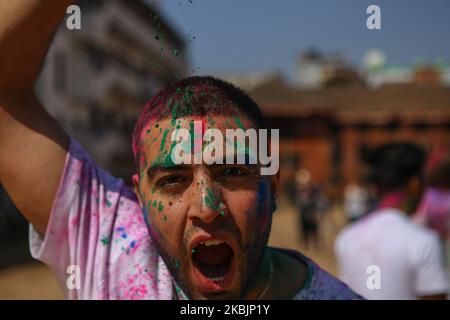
(211, 243)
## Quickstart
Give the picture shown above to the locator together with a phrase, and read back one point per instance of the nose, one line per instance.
(209, 201)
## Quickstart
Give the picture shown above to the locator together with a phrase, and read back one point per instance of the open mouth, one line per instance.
(213, 264)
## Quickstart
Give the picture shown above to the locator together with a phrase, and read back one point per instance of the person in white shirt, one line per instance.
(385, 255)
(356, 201)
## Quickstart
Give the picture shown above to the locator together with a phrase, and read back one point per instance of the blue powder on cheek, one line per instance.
(261, 191)
(146, 217)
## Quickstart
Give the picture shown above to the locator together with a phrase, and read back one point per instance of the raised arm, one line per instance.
(33, 146)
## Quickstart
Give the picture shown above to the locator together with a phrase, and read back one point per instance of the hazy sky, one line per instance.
(240, 36)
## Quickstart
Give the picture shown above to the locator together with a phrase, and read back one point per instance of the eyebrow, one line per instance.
(167, 167)
(153, 170)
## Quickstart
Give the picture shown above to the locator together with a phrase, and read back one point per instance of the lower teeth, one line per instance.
(217, 279)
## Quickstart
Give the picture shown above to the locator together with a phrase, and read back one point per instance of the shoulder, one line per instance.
(420, 235)
(350, 233)
(319, 284)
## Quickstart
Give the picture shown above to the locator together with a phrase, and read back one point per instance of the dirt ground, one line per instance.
(35, 281)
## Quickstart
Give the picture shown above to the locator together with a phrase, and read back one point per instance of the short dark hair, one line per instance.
(199, 95)
(393, 165)
(439, 176)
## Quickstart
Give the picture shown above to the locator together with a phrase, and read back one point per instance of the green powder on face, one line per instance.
(227, 124)
(164, 159)
(175, 113)
(192, 133)
(155, 203)
(165, 218)
(187, 95)
(160, 207)
(239, 148)
(211, 120)
(239, 123)
(163, 142)
(210, 199)
(149, 206)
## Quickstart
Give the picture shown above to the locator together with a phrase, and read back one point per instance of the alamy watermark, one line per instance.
(211, 147)
(374, 279)
(373, 22)
(73, 21)
(73, 281)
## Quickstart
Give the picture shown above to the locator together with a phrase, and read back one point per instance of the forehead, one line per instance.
(156, 136)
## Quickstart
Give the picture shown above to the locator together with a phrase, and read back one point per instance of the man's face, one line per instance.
(210, 222)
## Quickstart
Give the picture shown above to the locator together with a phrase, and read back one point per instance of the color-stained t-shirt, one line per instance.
(434, 211)
(96, 232)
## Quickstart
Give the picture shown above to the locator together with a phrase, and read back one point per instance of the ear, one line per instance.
(415, 187)
(136, 188)
(414, 190)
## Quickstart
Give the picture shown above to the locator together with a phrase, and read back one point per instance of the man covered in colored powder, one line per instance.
(189, 231)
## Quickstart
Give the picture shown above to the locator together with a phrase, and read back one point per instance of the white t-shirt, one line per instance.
(386, 256)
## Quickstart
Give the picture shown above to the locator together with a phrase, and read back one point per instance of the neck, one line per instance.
(263, 277)
(397, 200)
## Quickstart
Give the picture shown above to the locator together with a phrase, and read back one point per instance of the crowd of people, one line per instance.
(396, 243)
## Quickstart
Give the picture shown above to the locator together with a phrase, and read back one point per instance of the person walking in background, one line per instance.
(311, 202)
(434, 210)
(384, 255)
(356, 201)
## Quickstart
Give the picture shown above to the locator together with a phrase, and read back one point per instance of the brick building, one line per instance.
(329, 130)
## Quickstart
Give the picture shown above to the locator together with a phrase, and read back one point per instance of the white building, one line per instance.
(96, 80)
(315, 69)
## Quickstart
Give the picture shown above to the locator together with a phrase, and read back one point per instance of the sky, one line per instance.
(252, 36)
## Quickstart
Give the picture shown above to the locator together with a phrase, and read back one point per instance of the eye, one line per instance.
(171, 181)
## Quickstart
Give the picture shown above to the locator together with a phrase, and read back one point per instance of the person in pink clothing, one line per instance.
(434, 210)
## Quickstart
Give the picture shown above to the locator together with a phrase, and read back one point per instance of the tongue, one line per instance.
(213, 261)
